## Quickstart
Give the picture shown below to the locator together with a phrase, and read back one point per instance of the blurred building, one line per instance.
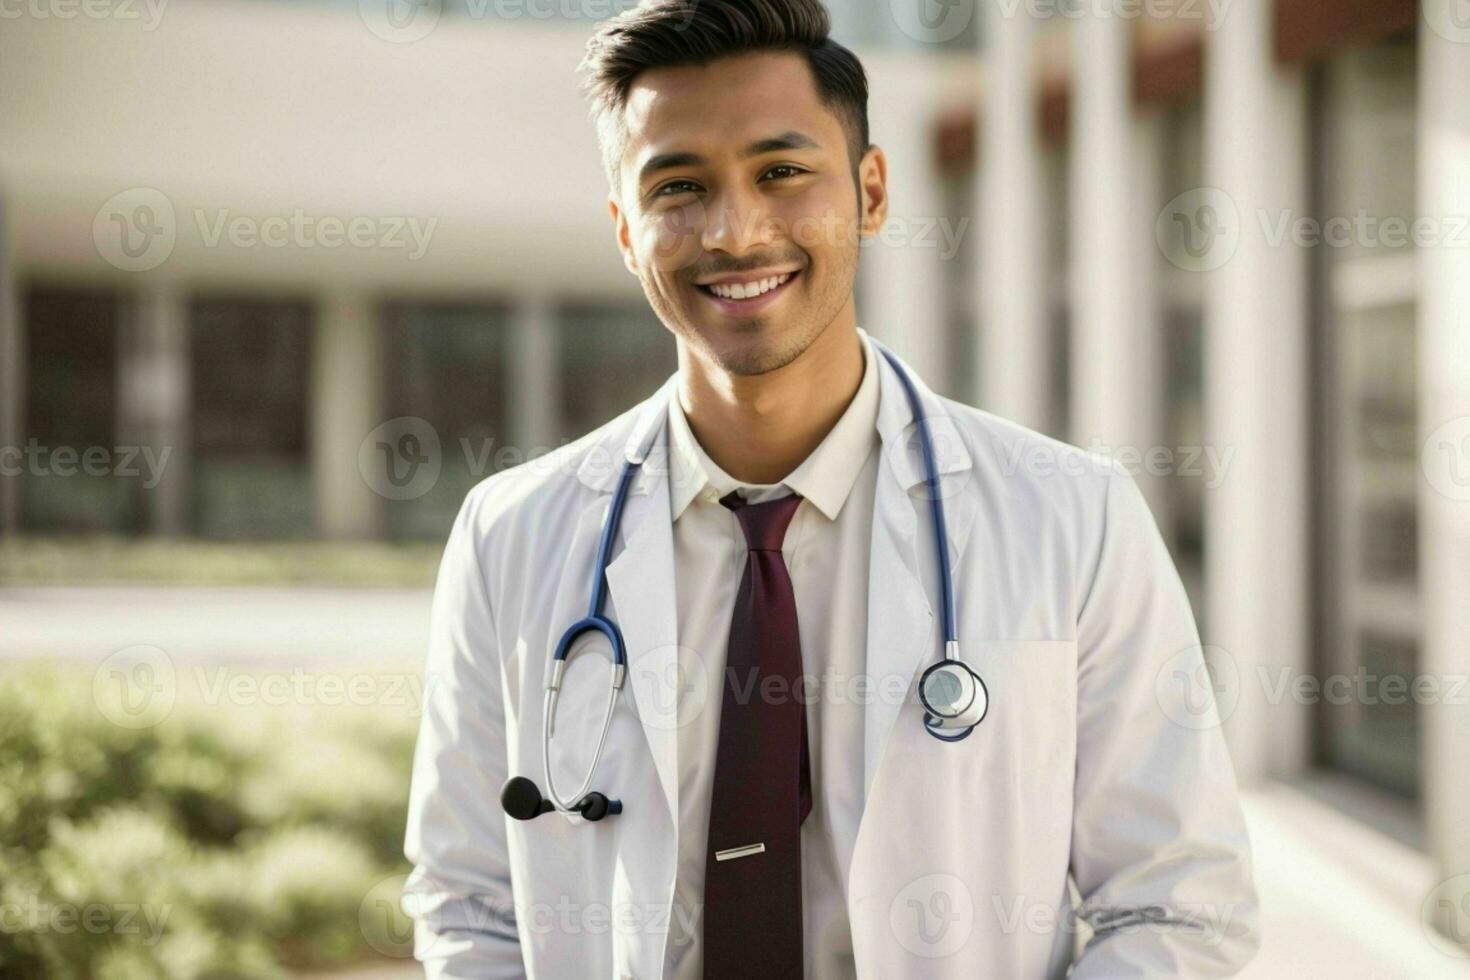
(248, 246)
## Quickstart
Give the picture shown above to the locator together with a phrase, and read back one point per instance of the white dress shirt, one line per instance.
(826, 551)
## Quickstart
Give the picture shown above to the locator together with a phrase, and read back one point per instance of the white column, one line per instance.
(1255, 387)
(535, 376)
(1148, 404)
(1444, 420)
(12, 375)
(346, 399)
(1115, 368)
(154, 398)
(1015, 346)
(904, 269)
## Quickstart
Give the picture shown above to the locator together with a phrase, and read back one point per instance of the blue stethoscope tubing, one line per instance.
(594, 622)
(954, 697)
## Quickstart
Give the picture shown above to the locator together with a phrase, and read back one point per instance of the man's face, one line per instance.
(738, 211)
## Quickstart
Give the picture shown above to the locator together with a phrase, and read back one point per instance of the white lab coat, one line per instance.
(1100, 762)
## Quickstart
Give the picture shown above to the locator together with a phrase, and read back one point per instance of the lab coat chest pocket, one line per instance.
(1031, 723)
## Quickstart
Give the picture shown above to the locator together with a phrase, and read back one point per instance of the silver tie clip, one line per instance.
(739, 852)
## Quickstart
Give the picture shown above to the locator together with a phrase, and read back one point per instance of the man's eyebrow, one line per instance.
(789, 140)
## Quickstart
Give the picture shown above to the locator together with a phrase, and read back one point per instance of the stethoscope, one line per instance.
(953, 695)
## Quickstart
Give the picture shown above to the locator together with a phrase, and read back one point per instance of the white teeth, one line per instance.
(747, 290)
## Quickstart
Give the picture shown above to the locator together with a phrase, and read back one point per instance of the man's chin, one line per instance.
(747, 347)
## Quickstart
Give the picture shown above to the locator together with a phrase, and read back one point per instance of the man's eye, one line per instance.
(784, 170)
(677, 187)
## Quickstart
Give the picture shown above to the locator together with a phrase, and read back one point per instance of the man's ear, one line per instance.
(873, 190)
(620, 232)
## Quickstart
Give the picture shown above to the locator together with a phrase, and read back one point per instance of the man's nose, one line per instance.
(736, 222)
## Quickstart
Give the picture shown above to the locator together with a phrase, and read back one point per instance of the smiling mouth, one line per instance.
(736, 297)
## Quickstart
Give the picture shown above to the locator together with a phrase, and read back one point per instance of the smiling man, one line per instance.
(886, 703)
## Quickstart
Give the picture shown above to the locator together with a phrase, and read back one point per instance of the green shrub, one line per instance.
(226, 841)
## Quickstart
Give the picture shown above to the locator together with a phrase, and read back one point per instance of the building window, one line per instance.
(71, 406)
(447, 363)
(250, 364)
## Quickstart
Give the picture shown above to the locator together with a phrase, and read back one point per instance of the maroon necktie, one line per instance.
(762, 786)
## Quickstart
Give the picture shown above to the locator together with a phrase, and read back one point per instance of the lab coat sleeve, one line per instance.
(459, 892)
(1160, 851)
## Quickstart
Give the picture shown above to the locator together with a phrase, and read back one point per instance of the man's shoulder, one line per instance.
(1006, 453)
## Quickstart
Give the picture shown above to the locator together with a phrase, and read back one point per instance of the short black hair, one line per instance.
(671, 33)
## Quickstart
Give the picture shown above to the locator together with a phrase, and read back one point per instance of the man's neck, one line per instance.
(759, 428)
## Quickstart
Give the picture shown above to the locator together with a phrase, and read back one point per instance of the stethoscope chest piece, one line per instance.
(955, 699)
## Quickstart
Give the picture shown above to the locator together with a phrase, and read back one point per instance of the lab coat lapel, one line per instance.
(904, 621)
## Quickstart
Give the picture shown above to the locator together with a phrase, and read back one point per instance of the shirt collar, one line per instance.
(825, 477)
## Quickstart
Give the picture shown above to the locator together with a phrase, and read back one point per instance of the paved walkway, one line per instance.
(271, 626)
